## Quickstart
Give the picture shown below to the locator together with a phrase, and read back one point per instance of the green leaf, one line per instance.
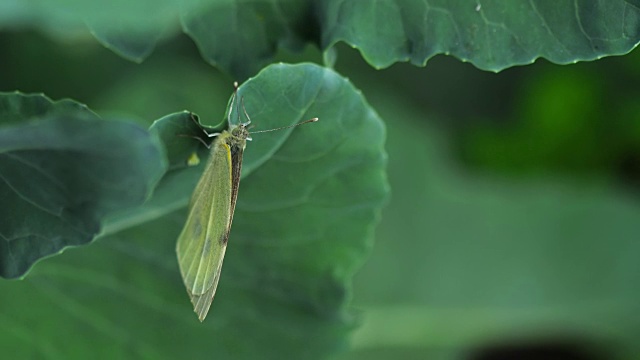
(132, 44)
(492, 35)
(183, 137)
(307, 205)
(71, 15)
(62, 171)
(242, 36)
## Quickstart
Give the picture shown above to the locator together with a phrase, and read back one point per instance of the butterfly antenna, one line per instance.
(245, 111)
(233, 99)
(286, 127)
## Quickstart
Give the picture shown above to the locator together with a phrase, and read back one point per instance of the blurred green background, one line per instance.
(514, 218)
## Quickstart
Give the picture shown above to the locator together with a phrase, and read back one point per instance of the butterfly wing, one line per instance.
(203, 240)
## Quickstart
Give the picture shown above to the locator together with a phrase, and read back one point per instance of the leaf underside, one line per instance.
(62, 170)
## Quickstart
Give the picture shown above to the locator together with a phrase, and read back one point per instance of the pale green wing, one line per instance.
(203, 240)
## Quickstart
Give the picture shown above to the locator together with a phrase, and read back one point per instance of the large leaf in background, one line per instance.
(238, 36)
(493, 35)
(129, 28)
(308, 201)
(241, 36)
(489, 261)
(62, 170)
